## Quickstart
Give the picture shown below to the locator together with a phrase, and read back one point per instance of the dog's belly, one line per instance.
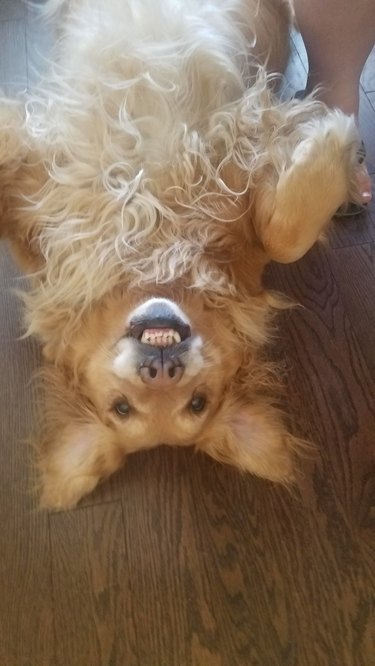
(197, 55)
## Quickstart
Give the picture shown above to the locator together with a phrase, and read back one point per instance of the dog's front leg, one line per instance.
(294, 206)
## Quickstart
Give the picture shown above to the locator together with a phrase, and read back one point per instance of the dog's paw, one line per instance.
(327, 157)
(58, 494)
(320, 168)
(316, 181)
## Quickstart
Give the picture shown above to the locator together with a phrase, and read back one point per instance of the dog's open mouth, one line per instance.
(160, 337)
(160, 332)
(159, 323)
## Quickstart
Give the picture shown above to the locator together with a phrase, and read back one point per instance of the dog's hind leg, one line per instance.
(294, 206)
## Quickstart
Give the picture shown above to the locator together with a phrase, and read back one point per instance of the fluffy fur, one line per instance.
(156, 160)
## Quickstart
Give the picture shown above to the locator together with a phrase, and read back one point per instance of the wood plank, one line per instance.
(173, 606)
(26, 636)
(356, 230)
(332, 389)
(338, 393)
(228, 569)
(354, 270)
(283, 592)
(92, 588)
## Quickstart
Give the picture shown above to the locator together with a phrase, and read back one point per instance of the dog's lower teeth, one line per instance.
(160, 338)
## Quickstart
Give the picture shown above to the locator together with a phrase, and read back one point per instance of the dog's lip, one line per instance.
(138, 326)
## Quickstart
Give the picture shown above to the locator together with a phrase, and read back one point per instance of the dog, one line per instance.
(145, 184)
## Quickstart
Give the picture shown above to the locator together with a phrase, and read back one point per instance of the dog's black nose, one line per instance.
(161, 373)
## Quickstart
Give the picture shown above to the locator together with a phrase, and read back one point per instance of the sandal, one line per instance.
(352, 209)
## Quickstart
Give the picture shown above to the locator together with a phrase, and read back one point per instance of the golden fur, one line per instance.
(155, 160)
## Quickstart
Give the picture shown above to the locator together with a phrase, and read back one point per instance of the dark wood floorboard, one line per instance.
(177, 560)
(26, 632)
(92, 588)
(173, 604)
(359, 264)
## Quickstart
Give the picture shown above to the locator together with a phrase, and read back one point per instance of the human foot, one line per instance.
(364, 184)
(364, 188)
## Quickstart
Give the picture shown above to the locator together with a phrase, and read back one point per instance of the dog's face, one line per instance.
(154, 373)
(145, 372)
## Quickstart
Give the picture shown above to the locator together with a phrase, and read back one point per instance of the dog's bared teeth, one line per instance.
(160, 337)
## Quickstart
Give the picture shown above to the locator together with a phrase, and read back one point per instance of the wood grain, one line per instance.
(335, 397)
(354, 269)
(173, 605)
(92, 588)
(25, 573)
(352, 231)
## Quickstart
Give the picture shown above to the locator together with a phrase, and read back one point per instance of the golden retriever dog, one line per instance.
(145, 184)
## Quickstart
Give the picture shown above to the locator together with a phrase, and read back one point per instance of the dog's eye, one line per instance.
(122, 408)
(198, 403)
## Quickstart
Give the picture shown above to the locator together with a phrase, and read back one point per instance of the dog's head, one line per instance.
(150, 372)
(155, 373)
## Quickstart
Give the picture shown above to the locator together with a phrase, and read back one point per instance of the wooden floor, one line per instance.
(178, 561)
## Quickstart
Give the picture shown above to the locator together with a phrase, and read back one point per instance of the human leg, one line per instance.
(338, 35)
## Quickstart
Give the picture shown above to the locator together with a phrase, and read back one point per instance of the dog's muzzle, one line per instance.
(163, 334)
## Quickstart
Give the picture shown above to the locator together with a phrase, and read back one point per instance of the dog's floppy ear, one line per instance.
(253, 438)
(77, 449)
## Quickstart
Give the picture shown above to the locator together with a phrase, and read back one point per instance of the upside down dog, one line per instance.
(144, 186)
